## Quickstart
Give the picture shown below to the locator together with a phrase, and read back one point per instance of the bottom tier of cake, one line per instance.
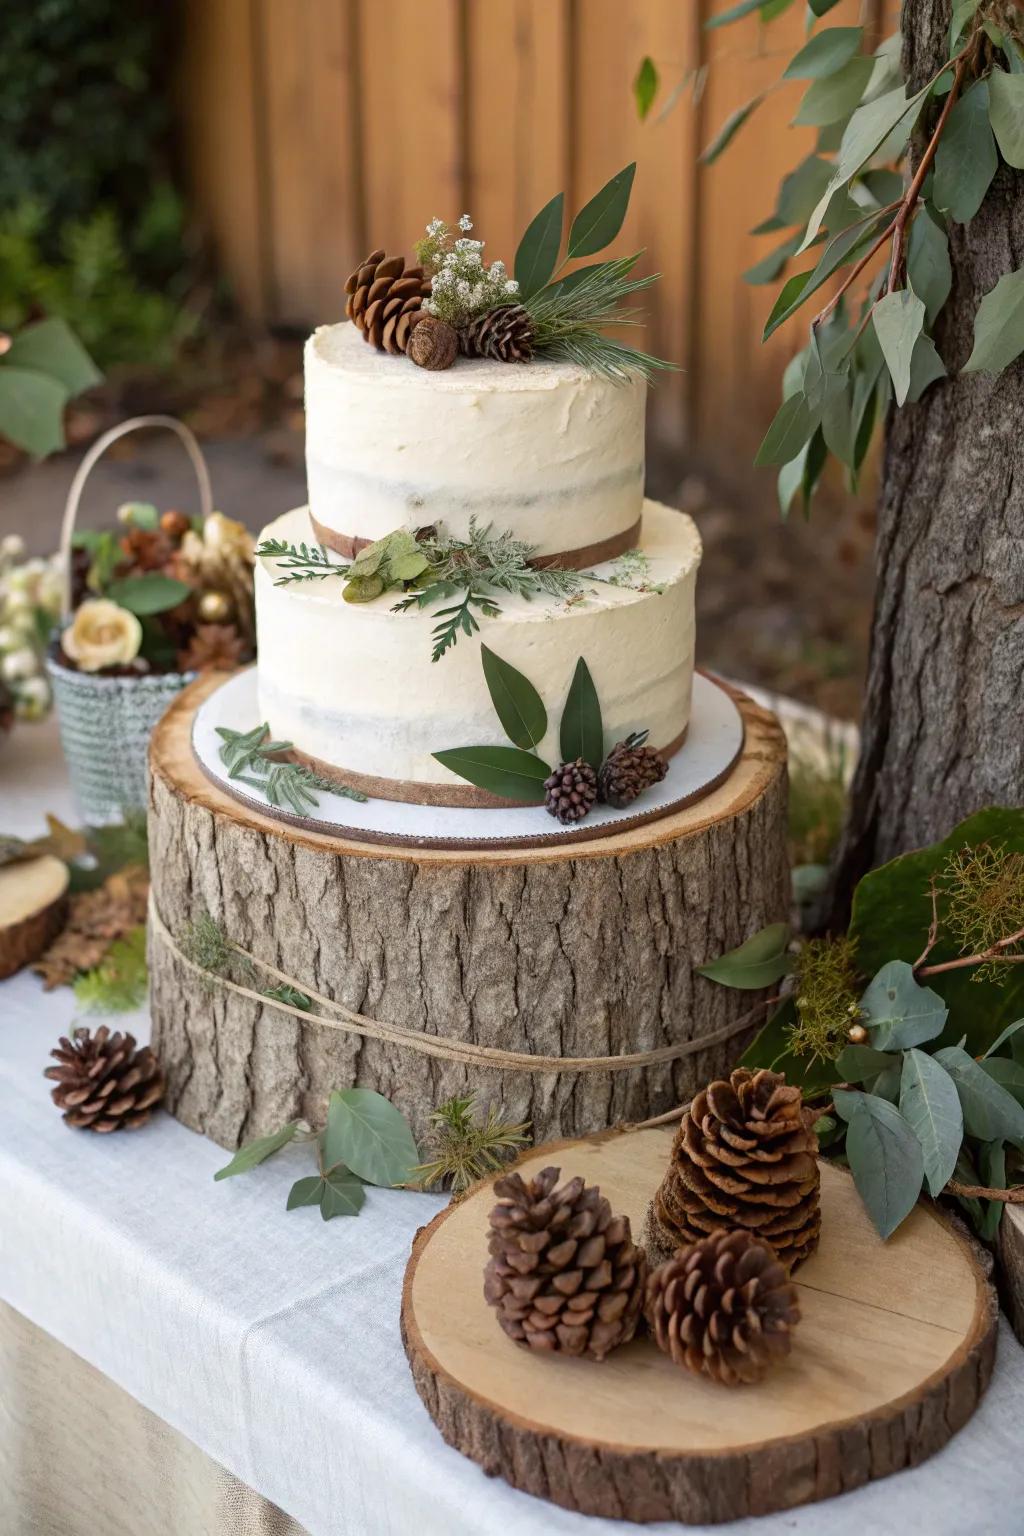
(353, 687)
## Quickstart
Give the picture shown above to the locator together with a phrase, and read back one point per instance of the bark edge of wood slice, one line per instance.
(33, 900)
(575, 951)
(636, 1438)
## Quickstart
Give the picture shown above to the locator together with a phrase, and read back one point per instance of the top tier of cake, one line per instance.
(548, 451)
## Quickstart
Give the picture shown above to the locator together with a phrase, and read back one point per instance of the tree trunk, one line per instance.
(942, 733)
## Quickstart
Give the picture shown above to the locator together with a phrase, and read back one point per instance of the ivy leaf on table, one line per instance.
(255, 1152)
(370, 1136)
(337, 1192)
(884, 1155)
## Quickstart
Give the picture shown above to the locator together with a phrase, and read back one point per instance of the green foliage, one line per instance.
(537, 254)
(205, 943)
(999, 326)
(119, 983)
(370, 1137)
(885, 1157)
(303, 562)
(506, 771)
(253, 759)
(581, 733)
(826, 997)
(758, 962)
(255, 1152)
(466, 1148)
(336, 1191)
(516, 701)
(898, 1012)
(43, 367)
(148, 594)
(645, 87)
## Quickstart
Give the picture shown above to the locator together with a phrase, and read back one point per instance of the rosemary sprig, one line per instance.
(305, 562)
(249, 757)
(465, 1148)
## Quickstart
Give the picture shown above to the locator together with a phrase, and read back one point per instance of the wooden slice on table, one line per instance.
(893, 1351)
(33, 896)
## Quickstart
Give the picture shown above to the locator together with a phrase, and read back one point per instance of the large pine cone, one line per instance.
(565, 1275)
(629, 769)
(504, 333)
(723, 1308)
(385, 299)
(744, 1156)
(570, 793)
(103, 1082)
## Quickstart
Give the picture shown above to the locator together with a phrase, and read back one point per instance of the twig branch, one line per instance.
(914, 190)
(994, 952)
(933, 927)
(1014, 1196)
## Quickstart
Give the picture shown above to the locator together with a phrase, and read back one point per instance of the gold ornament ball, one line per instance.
(214, 607)
(857, 1034)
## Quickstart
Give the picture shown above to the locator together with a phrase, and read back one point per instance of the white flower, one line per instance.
(32, 699)
(12, 545)
(511, 286)
(19, 664)
(465, 222)
(101, 634)
(462, 288)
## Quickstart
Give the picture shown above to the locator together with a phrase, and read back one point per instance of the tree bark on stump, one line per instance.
(942, 732)
(589, 951)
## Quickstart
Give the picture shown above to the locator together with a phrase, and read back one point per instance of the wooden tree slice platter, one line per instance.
(892, 1354)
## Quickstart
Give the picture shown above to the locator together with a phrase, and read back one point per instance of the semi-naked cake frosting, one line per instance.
(545, 451)
(549, 451)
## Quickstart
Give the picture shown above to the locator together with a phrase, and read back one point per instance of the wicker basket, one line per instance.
(105, 722)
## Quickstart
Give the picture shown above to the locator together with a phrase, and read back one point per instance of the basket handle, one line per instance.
(84, 469)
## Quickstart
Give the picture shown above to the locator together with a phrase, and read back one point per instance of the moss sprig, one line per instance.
(982, 890)
(827, 998)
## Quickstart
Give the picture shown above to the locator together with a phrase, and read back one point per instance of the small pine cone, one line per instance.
(723, 1308)
(571, 791)
(433, 343)
(565, 1275)
(744, 1156)
(629, 769)
(103, 1082)
(385, 299)
(504, 333)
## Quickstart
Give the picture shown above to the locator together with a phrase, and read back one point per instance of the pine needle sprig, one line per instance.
(568, 318)
(467, 1149)
(303, 562)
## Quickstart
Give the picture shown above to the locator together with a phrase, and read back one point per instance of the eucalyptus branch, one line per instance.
(914, 190)
(1014, 1196)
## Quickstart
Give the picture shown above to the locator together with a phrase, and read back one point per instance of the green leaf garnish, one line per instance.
(581, 733)
(506, 771)
(516, 701)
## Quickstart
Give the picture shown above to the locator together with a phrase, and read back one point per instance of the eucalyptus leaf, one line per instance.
(887, 1084)
(998, 326)
(929, 270)
(1008, 1074)
(758, 962)
(827, 100)
(506, 771)
(899, 321)
(884, 1155)
(901, 1013)
(962, 13)
(150, 593)
(51, 347)
(991, 1113)
(801, 189)
(645, 86)
(821, 7)
(516, 701)
(729, 129)
(966, 157)
(600, 220)
(824, 53)
(538, 249)
(793, 425)
(1003, 1036)
(925, 367)
(770, 265)
(581, 733)
(254, 1152)
(362, 589)
(32, 410)
(1006, 114)
(858, 1063)
(844, 248)
(931, 1107)
(733, 13)
(370, 1136)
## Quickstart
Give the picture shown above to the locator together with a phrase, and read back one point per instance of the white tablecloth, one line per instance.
(271, 1339)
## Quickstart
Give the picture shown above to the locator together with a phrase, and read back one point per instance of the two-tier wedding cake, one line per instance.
(476, 530)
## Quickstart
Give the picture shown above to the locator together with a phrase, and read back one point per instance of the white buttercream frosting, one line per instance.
(547, 450)
(354, 685)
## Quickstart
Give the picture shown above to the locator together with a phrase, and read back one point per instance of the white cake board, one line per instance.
(713, 743)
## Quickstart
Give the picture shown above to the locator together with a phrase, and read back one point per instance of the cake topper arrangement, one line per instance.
(452, 302)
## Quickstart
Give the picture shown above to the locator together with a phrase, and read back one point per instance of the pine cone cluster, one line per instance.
(385, 300)
(570, 793)
(744, 1156)
(630, 768)
(565, 1275)
(103, 1082)
(723, 1308)
(504, 333)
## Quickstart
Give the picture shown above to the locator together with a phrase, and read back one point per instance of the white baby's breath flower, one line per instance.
(32, 699)
(465, 222)
(19, 664)
(511, 286)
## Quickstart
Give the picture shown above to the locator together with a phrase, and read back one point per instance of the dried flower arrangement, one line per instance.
(454, 302)
(162, 593)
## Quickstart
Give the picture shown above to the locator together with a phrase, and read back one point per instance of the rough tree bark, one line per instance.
(942, 732)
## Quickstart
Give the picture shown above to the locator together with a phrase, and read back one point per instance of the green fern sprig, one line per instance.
(303, 562)
(467, 1149)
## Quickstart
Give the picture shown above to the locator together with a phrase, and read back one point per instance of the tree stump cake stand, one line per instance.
(583, 950)
(892, 1353)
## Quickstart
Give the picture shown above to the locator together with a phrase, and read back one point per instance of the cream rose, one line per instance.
(102, 635)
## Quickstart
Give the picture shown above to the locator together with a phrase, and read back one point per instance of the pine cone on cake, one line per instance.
(433, 343)
(385, 300)
(504, 333)
(723, 1308)
(744, 1156)
(103, 1082)
(570, 793)
(630, 768)
(565, 1276)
